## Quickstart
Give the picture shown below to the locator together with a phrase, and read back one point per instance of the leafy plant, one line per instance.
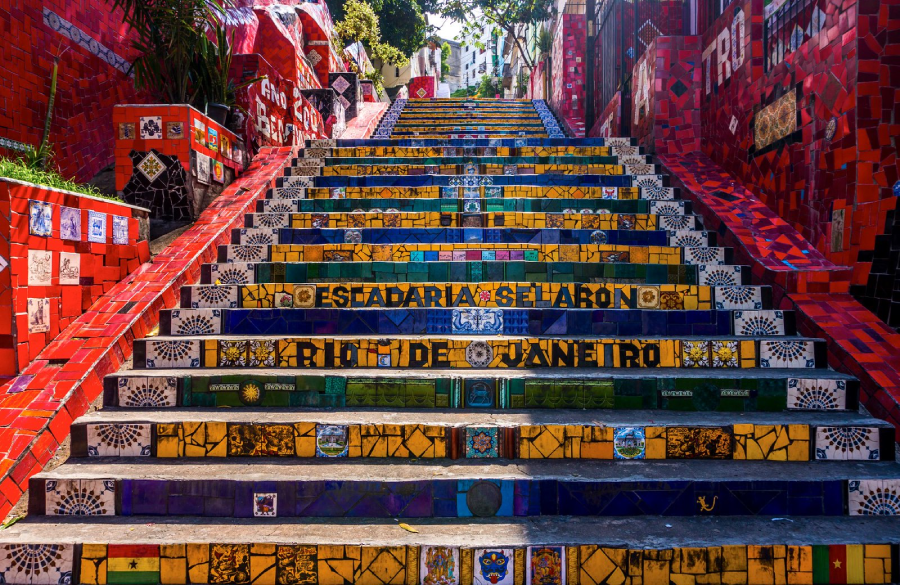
(168, 36)
(211, 69)
(522, 80)
(510, 17)
(361, 25)
(377, 79)
(408, 28)
(446, 51)
(488, 87)
(21, 170)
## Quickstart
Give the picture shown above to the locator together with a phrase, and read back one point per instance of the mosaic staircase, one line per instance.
(470, 351)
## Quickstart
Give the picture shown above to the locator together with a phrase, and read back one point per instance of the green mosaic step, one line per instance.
(548, 434)
(769, 390)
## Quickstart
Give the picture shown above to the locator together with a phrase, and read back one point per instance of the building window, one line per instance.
(396, 72)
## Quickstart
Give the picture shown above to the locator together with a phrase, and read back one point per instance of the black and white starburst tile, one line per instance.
(673, 207)
(847, 444)
(656, 192)
(787, 353)
(759, 323)
(80, 497)
(37, 564)
(245, 253)
(873, 497)
(232, 273)
(147, 392)
(816, 394)
(689, 238)
(119, 440)
(704, 255)
(172, 353)
(195, 321)
(276, 206)
(738, 297)
(259, 236)
(270, 220)
(214, 297)
(677, 222)
(719, 275)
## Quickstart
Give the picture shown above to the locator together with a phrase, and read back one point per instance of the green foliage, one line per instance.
(407, 30)
(544, 42)
(464, 92)
(522, 80)
(211, 67)
(168, 34)
(361, 24)
(20, 170)
(446, 51)
(377, 79)
(488, 88)
(501, 16)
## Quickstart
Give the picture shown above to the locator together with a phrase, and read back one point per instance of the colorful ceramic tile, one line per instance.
(439, 565)
(147, 392)
(218, 172)
(126, 131)
(40, 218)
(199, 132)
(96, 227)
(775, 121)
(151, 166)
(3, 263)
(739, 297)
(119, 440)
(40, 267)
(174, 130)
(203, 167)
(120, 229)
(546, 565)
(69, 268)
(873, 497)
(212, 139)
(629, 443)
(151, 128)
(233, 273)
(482, 442)
(493, 566)
(38, 315)
(173, 353)
(215, 297)
(225, 146)
(37, 564)
(70, 224)
(816, 394)
(787, 354)
(195, 322)
(331, 440)
(265, 505)
(80, 497)
(477, 321)
(758, 323)
(847, 443)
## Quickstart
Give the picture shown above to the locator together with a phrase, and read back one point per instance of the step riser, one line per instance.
(645, 181)
(465, 205)
(458, 353)
(744, 442)
(677, 391)
(435, 498)
(666, 195)
(482, 295)
(484, 170)
(471, 143)
(471, 272)
(559, 322)
(502, 151)
(469, 235)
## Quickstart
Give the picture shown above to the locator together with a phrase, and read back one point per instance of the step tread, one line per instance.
(457, 417)
(394, 470)
(630, 532)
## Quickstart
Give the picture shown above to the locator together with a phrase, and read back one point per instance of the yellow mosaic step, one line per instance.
(603, 221)
(518, 191)
(453, 253)
(433, 151)
(668, 297)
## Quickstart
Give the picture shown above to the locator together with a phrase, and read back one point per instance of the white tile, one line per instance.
(232, 273)
(758, 323)
(706, 255)
(873, 497)
(816, 394)
(439, 565)
(784, 353)
(69, 268)
(196, 321)
(738, 297)
(847, 443)
(40, 267)
(80, 497)
(173, 353)
(119, 440)
(37, 564)
(215, 297)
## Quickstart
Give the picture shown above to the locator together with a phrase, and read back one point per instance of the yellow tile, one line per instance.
(198, 563)
(93, 564)
(173, 564)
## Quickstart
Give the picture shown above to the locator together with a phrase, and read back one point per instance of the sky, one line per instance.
(446, 28)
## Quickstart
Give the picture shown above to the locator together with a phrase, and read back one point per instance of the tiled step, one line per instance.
(556, 434)
(692, 240)
(438, 489)
(471, 143)
(601, 221)
(614, 550)
(477, 161)
(626, 550)
(531, 322)
(465, 151)
(471, 271)
(579, 180)
(468, 205)
(414, 169)
(668, 297)
(290, 188)
(479, 352)
(658, 254)
(733, 391)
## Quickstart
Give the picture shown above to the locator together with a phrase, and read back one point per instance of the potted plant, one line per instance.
(218, 92)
